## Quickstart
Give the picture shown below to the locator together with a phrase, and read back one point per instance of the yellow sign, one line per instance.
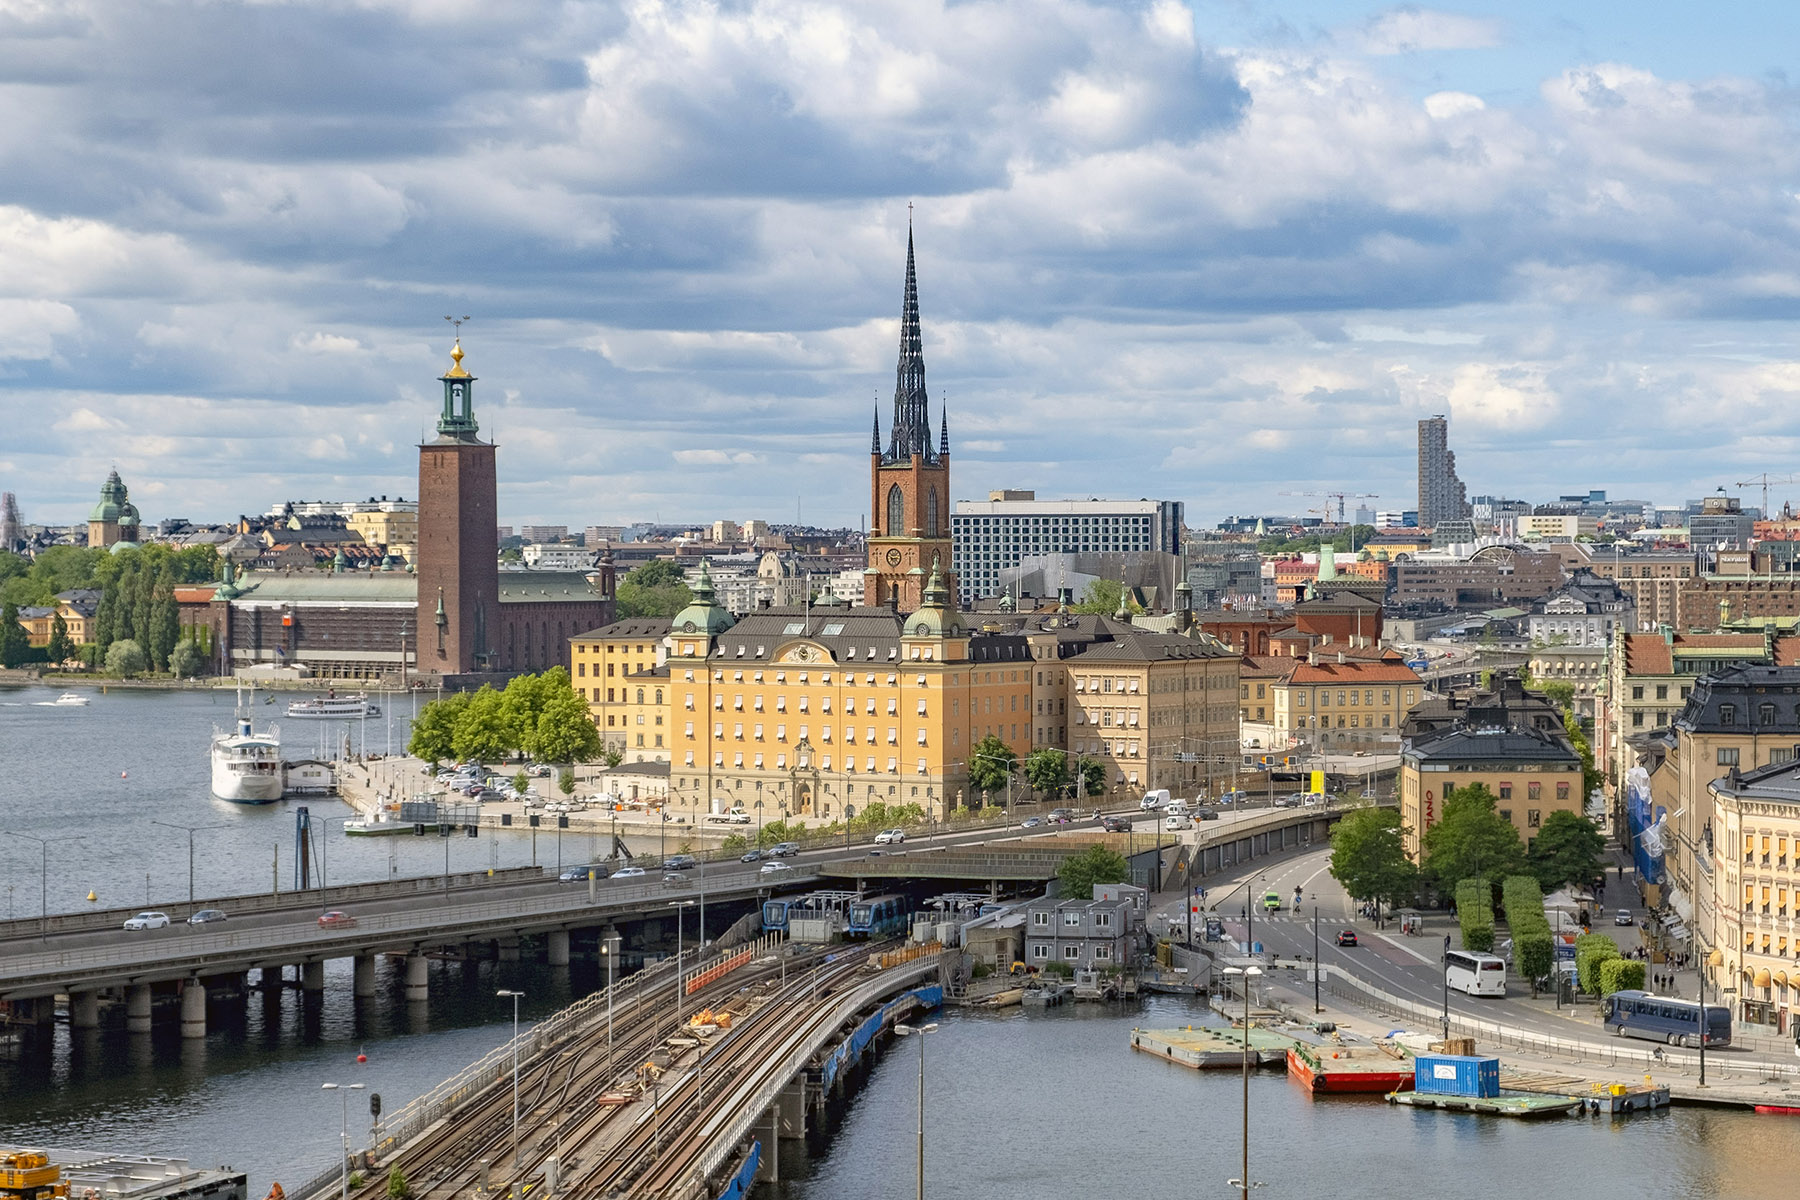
(1318, 782)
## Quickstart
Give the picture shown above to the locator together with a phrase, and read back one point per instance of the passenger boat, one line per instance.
(246, 764)
(1350, 1067)
(376, 826)
(334, 708)
(66, 700)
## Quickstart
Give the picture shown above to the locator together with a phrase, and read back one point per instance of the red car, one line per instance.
(1346, 937)
(336, 920)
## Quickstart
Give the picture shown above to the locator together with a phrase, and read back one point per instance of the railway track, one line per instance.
(574, 1085)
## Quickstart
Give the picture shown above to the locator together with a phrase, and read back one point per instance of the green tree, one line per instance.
(1092, 772)
(126, 658)
(106, 616)
(565, 781)
(1591, 776)
(1102, 597)
(653, 589)
(1368, 856)
(991, 764)
(565, 731)
(1534, 955)
(1097, 864)
(1047, 771)
(1567, 849)
(15, 645)
(1471, 839)
(165, 618)
(434, 731)
(522, 703)
(1560, 691)
(60, 647)
(1591, 950)
(521, 780)
(482, 729)
(1475, 914)
(185, 660)
(612, 756)
(1620, 975)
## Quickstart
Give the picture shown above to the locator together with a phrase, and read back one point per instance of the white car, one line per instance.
(775, 868)
(148, 920)
(628, 873)
(890, 836)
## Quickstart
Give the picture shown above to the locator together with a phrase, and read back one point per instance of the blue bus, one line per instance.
(1666, 1019)
(876, 917)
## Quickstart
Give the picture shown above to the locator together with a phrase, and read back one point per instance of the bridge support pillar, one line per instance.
(272, 981)
(508, 949)
(137, 1008)
(312, 977)
(193, 1009)
(771, 1159)
(790, 1110)
(84, 1010)
(417, 977)
(364, 976)
(556, 948)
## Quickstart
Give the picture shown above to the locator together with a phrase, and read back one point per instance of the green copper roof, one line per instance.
(703, 615)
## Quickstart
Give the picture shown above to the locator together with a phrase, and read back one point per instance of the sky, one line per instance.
(1214, 252)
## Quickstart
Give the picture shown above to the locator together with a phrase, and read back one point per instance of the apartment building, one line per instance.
(1342, 705)
(1652, 578)
(989, 536)
(1533, 772)
(1756, 866)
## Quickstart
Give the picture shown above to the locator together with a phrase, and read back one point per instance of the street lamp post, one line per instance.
(679, 906)
(44, 879)
(1446, 987)
(1317, 969)
(191, 831)
(609, 946)
(1243, 1183)
(516, 997)
(344, 1091)
(919, 1031)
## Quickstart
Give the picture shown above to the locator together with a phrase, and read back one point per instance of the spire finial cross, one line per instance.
(458, 323)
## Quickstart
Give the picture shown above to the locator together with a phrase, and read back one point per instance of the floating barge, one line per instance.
(1350, 1068)
(1507, 1104)
(1595, 1096)
(1205, 1048)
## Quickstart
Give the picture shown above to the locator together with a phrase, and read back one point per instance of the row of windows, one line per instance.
(758, 762)
(1072, 919)
(756, 733)
(1072, 951)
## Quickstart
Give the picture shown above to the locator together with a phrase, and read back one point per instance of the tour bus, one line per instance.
(1666, 1019)
(1475, 974)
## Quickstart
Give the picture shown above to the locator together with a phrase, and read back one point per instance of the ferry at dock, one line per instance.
(246, 764)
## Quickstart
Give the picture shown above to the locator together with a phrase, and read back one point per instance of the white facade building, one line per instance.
(989, 536)
(557, 557)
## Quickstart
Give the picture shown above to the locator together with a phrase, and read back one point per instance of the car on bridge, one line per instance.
(1206, 814)
(775, 868)
(147, 920)
(1115, 824)
(1031, 822)
(751, 856)
(628, 873)
(888, 837)
(336, 919)
(580, 874)
(784, 849)
(206, 916)
(1235, 796)
(680, 862)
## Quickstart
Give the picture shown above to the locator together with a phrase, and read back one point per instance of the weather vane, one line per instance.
(458, 323)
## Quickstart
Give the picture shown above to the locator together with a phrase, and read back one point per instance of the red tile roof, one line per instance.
(1353, 672)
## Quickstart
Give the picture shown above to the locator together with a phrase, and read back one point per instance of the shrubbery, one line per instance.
(1475, 913)
(1591, 950)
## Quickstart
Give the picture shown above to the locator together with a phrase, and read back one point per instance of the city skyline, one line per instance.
(1146, 234)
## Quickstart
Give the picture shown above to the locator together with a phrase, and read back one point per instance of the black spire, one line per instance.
(875, 440)
(911, 432)
(944, 434)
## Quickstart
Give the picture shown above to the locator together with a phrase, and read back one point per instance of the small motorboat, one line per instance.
(66, 700)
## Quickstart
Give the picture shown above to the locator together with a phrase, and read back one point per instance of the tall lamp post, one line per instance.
(609, 946)
(919, 1031)
(44, 884)
(1446, 987)
(191, 831)
(1243, 1182)
(344, 1091)
(516, 997)
(1317, 969)
(680, 906)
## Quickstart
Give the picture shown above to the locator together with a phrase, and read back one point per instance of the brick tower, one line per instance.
(459, 545)
(909, 482)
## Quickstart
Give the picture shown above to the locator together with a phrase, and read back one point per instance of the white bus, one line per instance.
(1475, 974)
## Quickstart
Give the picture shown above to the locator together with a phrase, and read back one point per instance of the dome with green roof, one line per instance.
(703, 615)
(937, 617)
(113, 502)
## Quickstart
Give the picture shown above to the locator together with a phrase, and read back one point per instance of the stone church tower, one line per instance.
(458, 616)
(909, 481)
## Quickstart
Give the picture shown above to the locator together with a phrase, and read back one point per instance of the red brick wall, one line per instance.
(459, 552)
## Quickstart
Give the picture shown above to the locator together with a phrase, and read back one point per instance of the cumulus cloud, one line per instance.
(680, 227)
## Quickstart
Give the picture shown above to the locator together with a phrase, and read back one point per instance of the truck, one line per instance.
(1153, 799)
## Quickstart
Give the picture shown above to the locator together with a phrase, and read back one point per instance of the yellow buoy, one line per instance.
(92, 897)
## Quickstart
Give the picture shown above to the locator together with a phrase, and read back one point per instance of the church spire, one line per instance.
(944, 434)
(911, 432)
(875, 440)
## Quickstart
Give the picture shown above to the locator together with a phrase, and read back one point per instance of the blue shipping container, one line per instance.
(1456, 1075)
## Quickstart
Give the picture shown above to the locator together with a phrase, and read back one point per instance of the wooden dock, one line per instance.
(1206, 1048)
(1528, 1105)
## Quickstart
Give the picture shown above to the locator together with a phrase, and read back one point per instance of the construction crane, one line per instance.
(1765, 479)
(1340, 497)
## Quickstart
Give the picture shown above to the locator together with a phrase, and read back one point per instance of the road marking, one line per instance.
(1405, 949)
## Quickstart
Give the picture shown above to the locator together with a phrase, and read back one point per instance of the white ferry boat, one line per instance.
(246, 765)
(66, 700)
(335, 708)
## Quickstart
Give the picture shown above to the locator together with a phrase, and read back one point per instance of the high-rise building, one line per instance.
(10, 534)
(1009, 527)
(458, 557)
(1442, 496)
(909, 482)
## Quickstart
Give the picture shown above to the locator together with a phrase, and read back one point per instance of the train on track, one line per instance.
(778, 911)
(876, 917)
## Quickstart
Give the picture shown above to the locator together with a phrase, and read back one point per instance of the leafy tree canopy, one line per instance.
(1047, 770)
(1471, 839)
(1097, 864)
(1567, 849)
(1368, 856)
(991, 763)
(126, 658)
(653, 589)
(1102, 597)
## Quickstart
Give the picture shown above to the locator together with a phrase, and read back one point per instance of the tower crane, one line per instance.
(1340, 497)
(1765, 479)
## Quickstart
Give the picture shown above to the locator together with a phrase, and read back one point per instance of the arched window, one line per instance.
(659, 695)
(896, 518)
(931, 513)
(640, 699)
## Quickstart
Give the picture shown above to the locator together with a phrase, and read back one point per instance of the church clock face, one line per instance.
(894, 557)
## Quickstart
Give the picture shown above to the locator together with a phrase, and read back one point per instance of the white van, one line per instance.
(1154, 799)
(1177, 822)
(1176, 808)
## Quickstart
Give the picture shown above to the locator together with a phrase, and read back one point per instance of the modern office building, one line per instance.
(1442, 496)
(991, 535)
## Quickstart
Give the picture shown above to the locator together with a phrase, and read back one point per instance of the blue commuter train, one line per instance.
(874, 917)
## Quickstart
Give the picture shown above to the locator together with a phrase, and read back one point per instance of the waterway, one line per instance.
(1046, 1102)
(92, 781)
